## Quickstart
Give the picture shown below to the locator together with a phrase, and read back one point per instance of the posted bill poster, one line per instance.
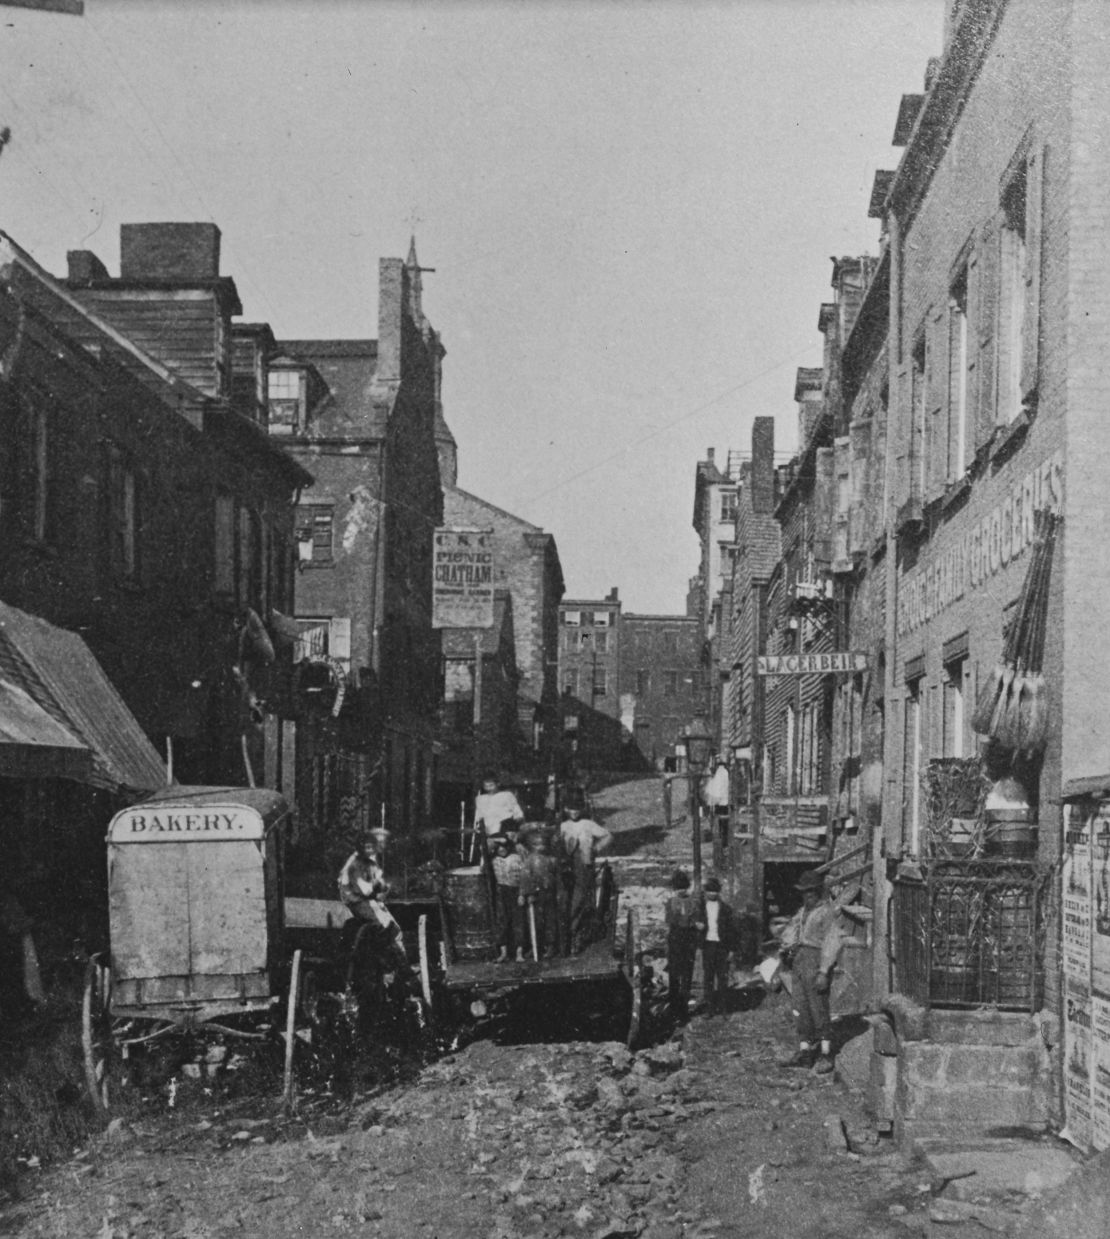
(462, 579)
(1086, 958)
(1076, 906)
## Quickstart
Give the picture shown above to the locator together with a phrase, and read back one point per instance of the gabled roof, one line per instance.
(491, 507)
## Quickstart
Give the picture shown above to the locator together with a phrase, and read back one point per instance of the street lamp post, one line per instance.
(699, 744)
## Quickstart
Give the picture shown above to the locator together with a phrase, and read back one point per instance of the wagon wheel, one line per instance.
(632, 969)
(100, 1049)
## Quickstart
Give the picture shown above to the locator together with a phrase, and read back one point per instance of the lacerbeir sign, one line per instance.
(173, 825)
(809, 664)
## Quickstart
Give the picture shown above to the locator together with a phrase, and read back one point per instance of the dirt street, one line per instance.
(702, 1135)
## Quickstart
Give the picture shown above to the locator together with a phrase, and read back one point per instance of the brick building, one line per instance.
(714, 521)
(481, 687)
(527, 567)
(362, 414)
(589, 680)
(662, 682)
(145, 514)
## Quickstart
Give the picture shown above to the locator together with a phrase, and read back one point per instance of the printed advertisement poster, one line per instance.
(1076, 889)
(1099, 834)
(1077, 1067)
(1100, 1072)
(462, 579)
(1076, 884)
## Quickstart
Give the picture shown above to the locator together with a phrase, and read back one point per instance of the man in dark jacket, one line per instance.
(684, 915)
(716, 945)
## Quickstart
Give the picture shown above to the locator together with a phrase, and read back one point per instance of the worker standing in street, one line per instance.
(810, 946)
(716, 945)
(583, 840)
(685, 917)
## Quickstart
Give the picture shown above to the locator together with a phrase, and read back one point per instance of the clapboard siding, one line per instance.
(182, 334)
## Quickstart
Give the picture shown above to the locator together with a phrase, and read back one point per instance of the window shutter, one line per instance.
(936, 389)
(988, 259)
(1034, 227)
(902, 430)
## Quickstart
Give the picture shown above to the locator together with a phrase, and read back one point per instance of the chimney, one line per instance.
(763, 465)
(84, 268)
(612, 596)
(391, 310)
(709, 455)
(178, 253)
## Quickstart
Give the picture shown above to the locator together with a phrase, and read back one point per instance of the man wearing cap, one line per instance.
(685, 918)
(716, 945)
(582, 840)
(811, 942)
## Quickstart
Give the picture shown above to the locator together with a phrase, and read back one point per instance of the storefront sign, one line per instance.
(809, 664)
(160, 824)
(462, 581)
(987, 547)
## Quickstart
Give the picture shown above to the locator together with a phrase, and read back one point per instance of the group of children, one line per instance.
(527, 881)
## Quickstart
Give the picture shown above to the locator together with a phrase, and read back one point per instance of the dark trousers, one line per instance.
(582, 895)
(714, 962)
(811, 1009)
(682, 951)
(510, 915)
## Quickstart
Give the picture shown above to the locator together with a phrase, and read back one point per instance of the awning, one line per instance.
(33, 745)
(56, 669)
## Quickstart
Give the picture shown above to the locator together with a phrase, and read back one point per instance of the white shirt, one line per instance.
(493, 808)
(712, 913)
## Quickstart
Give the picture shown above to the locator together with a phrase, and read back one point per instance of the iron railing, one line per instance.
(969, 933)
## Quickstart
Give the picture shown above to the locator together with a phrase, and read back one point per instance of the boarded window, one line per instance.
(122, 515)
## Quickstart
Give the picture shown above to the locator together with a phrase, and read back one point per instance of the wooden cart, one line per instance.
(197, 931)
(471, 977)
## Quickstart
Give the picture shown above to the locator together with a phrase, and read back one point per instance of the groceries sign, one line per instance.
(462, 583)
(809, 664)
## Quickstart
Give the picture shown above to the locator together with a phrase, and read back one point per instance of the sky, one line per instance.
(629, 208)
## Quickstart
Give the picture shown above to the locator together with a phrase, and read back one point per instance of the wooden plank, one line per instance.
(227, 909)
(595, 963)
(148, 910)
(315, 913)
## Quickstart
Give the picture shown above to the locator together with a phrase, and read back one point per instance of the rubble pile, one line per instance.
(570, 1139)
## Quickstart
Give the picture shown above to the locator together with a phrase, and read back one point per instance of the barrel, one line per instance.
(1011, 833)
(468, 912)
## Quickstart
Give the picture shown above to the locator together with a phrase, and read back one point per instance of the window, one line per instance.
(572, 618)
(571, 639)
(728, 505)
(643, 682)
(286, 402)
(958, 377)
(670, 683)
(602, 619)
(912, 742)
(570, 681)
(224, 550)
(316, 520)
(601, 642)
(670, 643)
(40, 452)
(952, 722)
(122, 519)
(250, 558)
(1012, 302)
(600, 681)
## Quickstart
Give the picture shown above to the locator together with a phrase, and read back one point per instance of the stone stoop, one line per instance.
(958, 1074)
